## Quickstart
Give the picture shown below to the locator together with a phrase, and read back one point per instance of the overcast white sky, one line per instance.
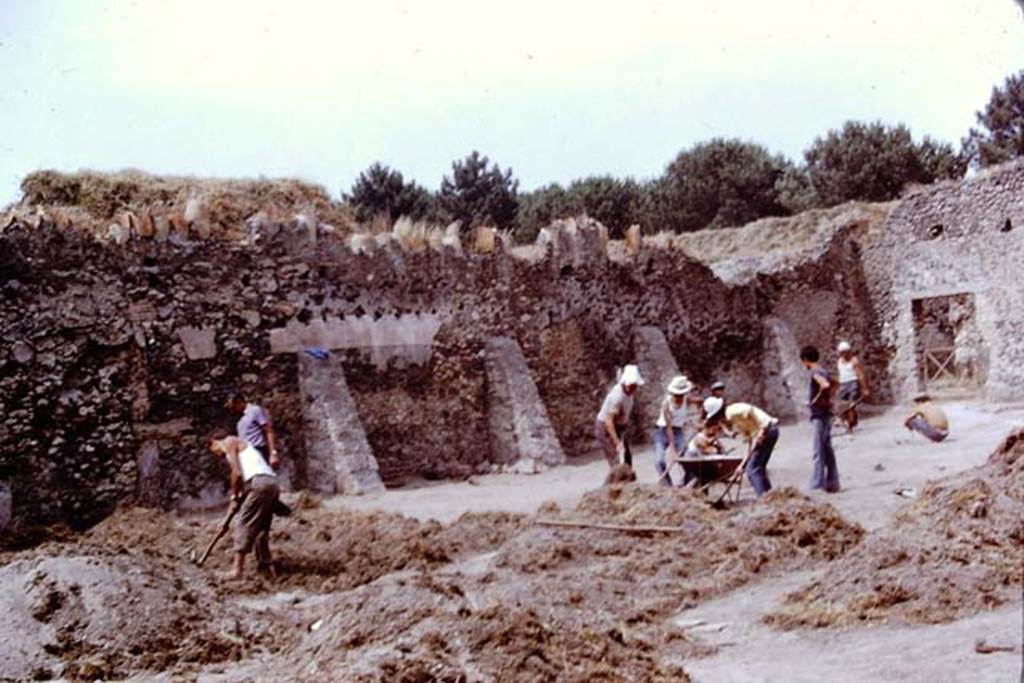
(555, 89)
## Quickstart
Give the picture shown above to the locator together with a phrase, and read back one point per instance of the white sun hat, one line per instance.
(712, 404)
(844, 346)
(631, 375)
(680, 385)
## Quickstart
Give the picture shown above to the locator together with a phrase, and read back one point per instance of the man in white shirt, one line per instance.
(254, 492)
(612, 420)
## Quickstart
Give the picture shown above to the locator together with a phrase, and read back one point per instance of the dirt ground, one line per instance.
(462, 581)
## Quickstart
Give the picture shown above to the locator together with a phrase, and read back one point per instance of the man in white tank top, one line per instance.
(853, 388)
(254, 488)
(670, 426)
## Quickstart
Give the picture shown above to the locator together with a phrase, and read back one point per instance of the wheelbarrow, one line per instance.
(716, 475)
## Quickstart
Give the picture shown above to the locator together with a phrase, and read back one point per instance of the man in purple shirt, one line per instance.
(255, 427)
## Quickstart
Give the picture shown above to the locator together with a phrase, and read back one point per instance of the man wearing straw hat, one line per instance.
(613, 418)
(669, 436)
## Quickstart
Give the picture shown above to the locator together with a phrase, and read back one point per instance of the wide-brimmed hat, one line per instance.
(719, 384)
(680, 385)
(844, 346)
(631, 375)
(712, 405)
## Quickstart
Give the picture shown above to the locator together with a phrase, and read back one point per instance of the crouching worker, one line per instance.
(758, 428)
(254, 489)
(613, 419)
(928, 419)
(704, 443)
(669, 436)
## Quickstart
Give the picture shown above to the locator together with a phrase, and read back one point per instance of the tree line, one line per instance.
(721, 182)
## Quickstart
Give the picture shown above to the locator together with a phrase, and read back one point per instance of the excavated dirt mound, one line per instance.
(378, 596)
(95, 197)
(646, 577)
(88, 616)
(426, 628)
(569, 604)
(124, 596)
(955, 552)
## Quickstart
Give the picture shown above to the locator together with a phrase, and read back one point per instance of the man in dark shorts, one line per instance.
(853, 387)
(254, 492)
(826, 473)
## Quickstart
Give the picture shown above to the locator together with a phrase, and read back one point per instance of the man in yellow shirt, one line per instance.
(758, 428)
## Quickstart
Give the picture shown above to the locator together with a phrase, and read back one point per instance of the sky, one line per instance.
(554, 89)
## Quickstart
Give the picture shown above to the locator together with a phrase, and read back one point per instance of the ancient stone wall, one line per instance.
(963, 240)
(116, 358)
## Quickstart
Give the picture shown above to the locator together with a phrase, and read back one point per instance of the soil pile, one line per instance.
(955, 552)
(331, 550)
(88, 616)
(568, 604)
(715, 552)
(124, 598)
(382, 597)
(428, 627)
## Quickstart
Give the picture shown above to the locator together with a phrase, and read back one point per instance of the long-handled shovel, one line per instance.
(224, 526)
(735, 479)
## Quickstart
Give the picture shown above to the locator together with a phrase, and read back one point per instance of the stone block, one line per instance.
(6, 506)
(200, 342)
(147, 489)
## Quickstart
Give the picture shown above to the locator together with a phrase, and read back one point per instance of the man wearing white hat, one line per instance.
(669, 436)
(853, 388)
(613, 418)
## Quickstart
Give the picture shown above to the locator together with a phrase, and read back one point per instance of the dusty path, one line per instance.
(906, 460)
(880, 458)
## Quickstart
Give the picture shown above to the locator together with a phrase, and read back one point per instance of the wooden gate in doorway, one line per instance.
(940, 367)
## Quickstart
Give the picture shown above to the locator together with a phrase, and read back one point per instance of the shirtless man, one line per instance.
(928, 419)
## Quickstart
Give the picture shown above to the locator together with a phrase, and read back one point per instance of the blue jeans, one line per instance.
(757, 466)
(826, 474)
(661, 446)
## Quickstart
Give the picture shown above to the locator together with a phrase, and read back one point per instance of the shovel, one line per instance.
(736, 478)
(224, 526)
